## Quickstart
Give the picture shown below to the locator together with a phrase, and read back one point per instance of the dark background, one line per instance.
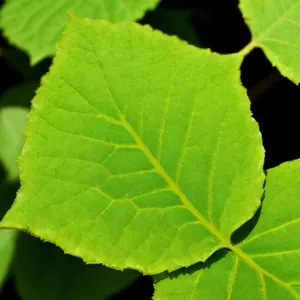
(218, 25)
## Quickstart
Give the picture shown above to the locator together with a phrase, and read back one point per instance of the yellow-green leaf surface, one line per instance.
(43, 271)
(271, 269)
(13, 119)
(140, 152)
(36, 25)
(275, 26)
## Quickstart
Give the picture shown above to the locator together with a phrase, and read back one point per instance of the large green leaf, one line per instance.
(43, 271)
(141, 152)
(13, 119)
(268, 262)
(275, 28)
(40, 24)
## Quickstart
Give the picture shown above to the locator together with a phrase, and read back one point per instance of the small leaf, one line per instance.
(40, 25)
(141, 152)
(275, 28)
(13, 120)
(267, 263)
(43, 271)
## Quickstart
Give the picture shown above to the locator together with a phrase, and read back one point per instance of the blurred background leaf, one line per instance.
(13, 119)
(19, 61)
(7, 248)
(43, 271)
(173, 22)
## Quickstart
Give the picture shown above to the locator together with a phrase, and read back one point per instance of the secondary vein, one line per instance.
(173, 185)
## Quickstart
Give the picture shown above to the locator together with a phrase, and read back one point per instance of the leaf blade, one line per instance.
(272, 250)
(275, 28)
(178, 232)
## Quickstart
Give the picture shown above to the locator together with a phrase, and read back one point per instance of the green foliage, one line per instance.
(39, 27)
(150, 155)
(264, 266)
(141, 153)
(174, 22)
(13, 119)
(7, 247)
(275, 28)
(34, 259)
(63, 276)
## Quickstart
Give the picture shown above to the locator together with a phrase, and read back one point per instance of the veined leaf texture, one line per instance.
(141, 153)
(39, 26)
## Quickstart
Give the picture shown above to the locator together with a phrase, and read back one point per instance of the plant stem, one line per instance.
(263, 86)
(248, 48)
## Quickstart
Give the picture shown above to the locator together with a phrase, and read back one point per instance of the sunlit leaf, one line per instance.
(266, 265)
(275, 28)
(141, 152)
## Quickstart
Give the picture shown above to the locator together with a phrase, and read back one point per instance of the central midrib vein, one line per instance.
(210, 227)
(194, 211)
